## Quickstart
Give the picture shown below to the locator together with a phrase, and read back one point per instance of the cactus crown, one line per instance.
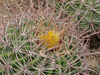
(51, 38)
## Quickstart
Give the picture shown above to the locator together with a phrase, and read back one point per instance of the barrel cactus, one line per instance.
(89, 7)
(44, 42)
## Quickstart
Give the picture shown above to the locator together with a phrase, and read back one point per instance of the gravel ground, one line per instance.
(13, 3)
(5, 6)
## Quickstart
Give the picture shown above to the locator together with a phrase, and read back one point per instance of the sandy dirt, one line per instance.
(5, 7)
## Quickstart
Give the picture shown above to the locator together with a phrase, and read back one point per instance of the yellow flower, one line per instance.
(50, 39)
